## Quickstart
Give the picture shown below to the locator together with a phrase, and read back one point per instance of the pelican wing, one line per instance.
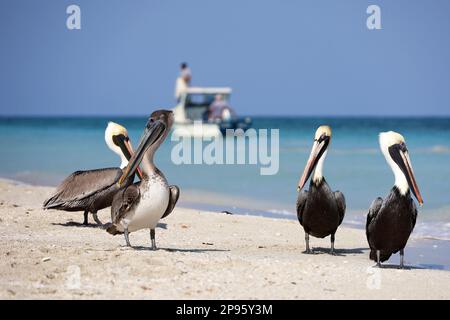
(301, 203)
(373, 212)
(173, 198)
(80, 185)
(124, 200)
(414, 213)
(340, 201)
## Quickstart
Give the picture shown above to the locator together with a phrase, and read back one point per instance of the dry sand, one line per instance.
(202, 255)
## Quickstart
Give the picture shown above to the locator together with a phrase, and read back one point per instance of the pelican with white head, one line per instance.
(319, 210)
(93, 190)
(391, 221)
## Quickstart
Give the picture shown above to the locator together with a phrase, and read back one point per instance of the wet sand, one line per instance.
(202, 255)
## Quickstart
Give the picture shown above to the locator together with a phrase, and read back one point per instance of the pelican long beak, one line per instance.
(409, 173)
(317, 151)
(128, 146)
(152, 133)
(399, 153)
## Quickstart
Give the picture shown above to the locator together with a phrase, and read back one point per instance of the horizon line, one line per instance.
(242, 116)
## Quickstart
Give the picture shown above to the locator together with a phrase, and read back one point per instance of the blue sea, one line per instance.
(43, 151)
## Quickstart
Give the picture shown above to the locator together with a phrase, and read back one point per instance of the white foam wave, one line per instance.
(281, 212)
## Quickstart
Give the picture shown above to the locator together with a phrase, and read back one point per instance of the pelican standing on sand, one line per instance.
(391, 221)
(93, 190)
(143, 204)
(320, 211)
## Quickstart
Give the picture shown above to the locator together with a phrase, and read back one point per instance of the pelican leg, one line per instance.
(127, 240)
(402, 258)
(307, 242)
(332, 244)
(152, 238)
(378, 259)
(85, 222)
(94, 214)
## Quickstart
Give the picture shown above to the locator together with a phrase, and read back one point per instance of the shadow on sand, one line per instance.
(94, 225)
(143, 248)
(338, 252)
(79, 225)
(392, 266)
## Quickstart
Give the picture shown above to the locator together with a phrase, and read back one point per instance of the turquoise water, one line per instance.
(45, 150)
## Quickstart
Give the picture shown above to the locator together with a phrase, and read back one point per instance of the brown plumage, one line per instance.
(143, 204)
(128, 197)
(88, 191)
(93, 190)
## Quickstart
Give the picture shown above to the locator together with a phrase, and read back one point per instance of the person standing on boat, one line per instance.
(185, 73)
(183, 80)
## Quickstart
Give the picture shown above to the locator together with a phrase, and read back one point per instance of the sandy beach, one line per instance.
(202, 255)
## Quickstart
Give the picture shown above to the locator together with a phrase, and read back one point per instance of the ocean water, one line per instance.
(44, 150)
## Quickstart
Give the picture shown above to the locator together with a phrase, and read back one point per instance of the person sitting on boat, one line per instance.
(219, 109)
(183, 80)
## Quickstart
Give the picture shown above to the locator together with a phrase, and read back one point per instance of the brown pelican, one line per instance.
(319, 210)
(93, 190)
(391, 221)
(143, 204)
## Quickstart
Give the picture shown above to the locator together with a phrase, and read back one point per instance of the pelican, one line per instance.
(93, 190)
(391, 221)
(143, 204)
(320, 211)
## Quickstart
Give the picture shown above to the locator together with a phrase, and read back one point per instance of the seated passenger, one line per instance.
(217, 107)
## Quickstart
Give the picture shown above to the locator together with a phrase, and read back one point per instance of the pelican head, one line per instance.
(394, 149)
(117, 139)
(155, 131)
(322, 139)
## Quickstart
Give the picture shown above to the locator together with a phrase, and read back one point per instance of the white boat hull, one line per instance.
(196, 130)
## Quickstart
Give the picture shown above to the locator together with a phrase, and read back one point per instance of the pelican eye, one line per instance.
(150, 121)
(403, 147)
(322, 138)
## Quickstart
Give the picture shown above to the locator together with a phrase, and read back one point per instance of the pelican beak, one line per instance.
(400, 155)
(319, 147)
(152, 132)
(129, 148)
(124, 144)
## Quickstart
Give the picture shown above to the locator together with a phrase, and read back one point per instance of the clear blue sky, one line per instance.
(281, 57)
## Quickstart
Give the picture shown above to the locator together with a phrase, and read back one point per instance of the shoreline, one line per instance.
(202, 255)
(245, 206)
(242, 205)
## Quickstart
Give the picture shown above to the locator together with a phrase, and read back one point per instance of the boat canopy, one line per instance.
(208, 90)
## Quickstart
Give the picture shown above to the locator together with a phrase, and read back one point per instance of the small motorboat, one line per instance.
(205, 112)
